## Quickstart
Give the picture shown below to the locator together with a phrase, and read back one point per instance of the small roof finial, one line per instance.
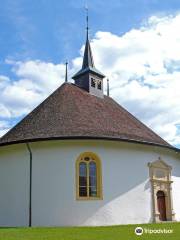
(108, 87)
(87, 20)
(66, 74)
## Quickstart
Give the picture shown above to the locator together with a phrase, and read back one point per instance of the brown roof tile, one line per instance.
(71, 112)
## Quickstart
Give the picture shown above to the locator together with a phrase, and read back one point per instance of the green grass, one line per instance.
(124, 232)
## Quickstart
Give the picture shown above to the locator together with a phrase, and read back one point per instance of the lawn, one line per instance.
(124, 232)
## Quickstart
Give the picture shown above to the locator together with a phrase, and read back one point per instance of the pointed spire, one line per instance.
(66, 75)
(108, 87)
(88, 58)
(88, 73)
(87, 22)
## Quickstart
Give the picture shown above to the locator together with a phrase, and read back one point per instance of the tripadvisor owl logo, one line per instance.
(139, 231)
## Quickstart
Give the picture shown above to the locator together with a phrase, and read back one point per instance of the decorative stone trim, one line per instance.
(160, 178)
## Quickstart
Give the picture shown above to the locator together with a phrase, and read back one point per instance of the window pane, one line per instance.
(92, 179)
(82, 180)
(93, 82)
(83, 191)
(99, 85)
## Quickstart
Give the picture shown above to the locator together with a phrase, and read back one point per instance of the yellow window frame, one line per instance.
(97, 160)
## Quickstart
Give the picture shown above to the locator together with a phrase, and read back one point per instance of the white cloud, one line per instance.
(4, 112)
(4, 131)
(4, 127)
(36, 80)
(144, 70)
(4, 81)
(3, 78)
(46, 76)
(143, 66)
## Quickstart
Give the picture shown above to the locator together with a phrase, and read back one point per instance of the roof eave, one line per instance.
(84, 71)
(90, 138)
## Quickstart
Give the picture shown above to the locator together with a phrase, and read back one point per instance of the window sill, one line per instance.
(88, 198)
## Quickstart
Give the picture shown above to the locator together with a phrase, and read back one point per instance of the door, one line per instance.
(161, 202)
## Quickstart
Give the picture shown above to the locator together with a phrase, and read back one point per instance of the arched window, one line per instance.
(88, 177)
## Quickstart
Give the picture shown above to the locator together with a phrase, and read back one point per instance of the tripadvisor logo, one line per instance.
(139, 231)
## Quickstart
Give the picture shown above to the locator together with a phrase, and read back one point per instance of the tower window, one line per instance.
(93, 82)
(88, 177)
(99, 84)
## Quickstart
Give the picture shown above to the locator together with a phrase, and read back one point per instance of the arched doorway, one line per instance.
(161, 190)
(161, 203)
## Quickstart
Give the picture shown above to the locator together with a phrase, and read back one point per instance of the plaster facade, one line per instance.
(126, 185)
(14, 186)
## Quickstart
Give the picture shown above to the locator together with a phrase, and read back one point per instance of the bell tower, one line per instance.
(89, 78)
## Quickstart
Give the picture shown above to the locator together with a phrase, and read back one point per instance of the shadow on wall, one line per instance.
(128, 198)
(148, 187)
(126, 195)
(126, 189)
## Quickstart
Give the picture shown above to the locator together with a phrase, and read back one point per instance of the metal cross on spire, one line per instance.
(88, 58)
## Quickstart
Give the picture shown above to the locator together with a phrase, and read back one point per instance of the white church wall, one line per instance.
(14, 185)
(126, 187)
(125, 178)
(173, 159)
(176, 187)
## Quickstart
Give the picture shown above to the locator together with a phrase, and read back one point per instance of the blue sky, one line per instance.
(38, 35)
(54, 30)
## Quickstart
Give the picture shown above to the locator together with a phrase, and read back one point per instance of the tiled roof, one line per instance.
(71, 112)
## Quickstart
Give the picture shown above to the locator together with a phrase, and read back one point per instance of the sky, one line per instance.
(136, 44)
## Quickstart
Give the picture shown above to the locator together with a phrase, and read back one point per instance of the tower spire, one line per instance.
(88, 77)
(88, 57)
(87, 22)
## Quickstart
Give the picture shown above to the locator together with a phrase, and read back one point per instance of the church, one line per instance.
(81, 159)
